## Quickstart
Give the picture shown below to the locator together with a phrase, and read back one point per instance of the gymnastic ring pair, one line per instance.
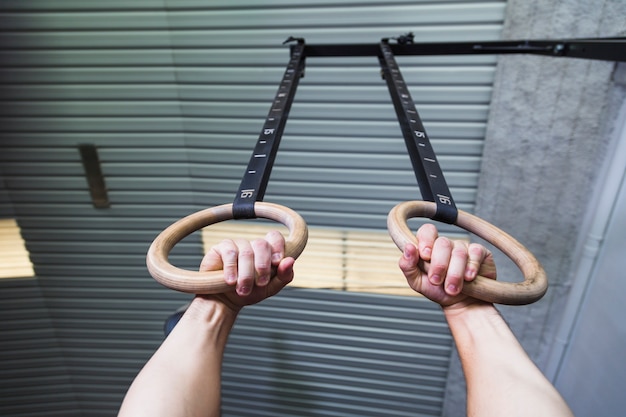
(531, 289)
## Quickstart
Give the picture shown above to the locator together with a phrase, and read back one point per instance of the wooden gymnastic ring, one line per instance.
(535, 282)
(212, 282)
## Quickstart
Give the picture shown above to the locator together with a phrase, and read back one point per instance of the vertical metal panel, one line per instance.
(174, 93)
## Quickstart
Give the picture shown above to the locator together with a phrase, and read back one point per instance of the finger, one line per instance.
(456, 268)
(284, 275)
(212, 261)
(245, 267)
(277, 243)
(488, 267)
(262, 261)
(476, 256)
(222, 256)
(426, 236)
(442, 251)
(408, 261)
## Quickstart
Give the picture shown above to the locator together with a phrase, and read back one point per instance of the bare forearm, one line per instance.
(183, 376)
(501, 378)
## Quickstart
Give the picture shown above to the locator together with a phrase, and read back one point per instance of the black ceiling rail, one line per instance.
(607, 49)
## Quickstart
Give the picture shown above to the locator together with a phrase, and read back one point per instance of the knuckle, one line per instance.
(245, 253)
(473, 262)
(227, 248)
(454, 277)
(406, 266)
(459, 252)
(230, 256)
(443, 243)
(245, 276)
(438, 267)
(227, 243)
(260, 244)
(428, 228)
(274, 235)
(476, 250)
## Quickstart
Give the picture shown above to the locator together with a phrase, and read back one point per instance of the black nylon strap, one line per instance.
(429, 176)
(256, 177)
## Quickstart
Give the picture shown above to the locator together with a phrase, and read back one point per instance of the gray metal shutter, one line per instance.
(33, 376)
(6, 207)
(331, 353)
(173, 94)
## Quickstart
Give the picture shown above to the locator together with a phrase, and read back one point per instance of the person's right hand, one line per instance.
(255, 270)
(452, 262)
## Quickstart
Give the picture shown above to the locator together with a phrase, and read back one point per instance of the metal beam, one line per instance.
(607, 49)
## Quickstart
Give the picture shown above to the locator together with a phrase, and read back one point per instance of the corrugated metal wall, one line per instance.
(173, 94)
(324, 353)
(6, 207)
(34, 379)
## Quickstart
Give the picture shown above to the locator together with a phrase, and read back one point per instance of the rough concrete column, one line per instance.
(545, 139)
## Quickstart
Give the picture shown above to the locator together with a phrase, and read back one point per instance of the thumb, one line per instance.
(284, 275)
(408, 262)
(212, 261)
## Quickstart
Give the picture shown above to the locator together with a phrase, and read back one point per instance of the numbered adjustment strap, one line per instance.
(429, 176)
(256, 177)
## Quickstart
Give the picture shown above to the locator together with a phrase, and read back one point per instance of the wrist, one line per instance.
(478, 325)
(208, 310)
(470, 312)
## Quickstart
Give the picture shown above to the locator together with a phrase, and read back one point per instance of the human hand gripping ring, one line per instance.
(535, 282)
(212, 282)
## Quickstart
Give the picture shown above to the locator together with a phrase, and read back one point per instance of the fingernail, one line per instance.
(231, 279)
(405, 253)
(264, 279)
(426, 252)
(470, 272)
(243, 291)
(276, 257)
(452, 289)
(435, 280)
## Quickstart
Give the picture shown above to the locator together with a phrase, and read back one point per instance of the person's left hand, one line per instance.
(248, 268)
(452, 262)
